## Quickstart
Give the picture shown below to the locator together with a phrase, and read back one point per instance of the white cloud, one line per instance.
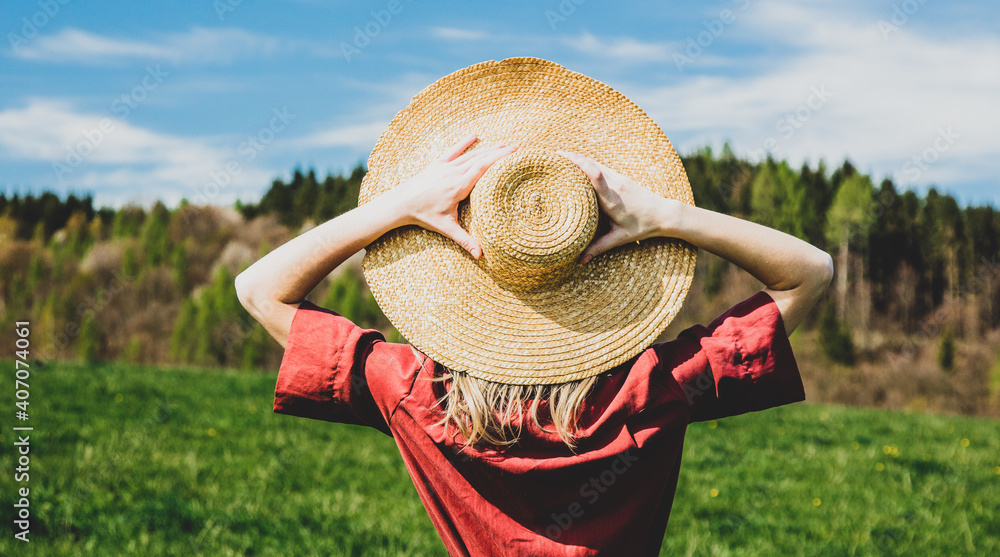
(124, 161)
(622, 49)
(888, 99)
(199, 45)
(454, 34)
(357, 135)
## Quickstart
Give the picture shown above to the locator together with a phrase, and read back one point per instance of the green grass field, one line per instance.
(161, 461)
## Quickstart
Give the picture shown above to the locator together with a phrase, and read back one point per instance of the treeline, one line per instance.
(917, 276)
(916, 252)
(40, 216)
(305, 198)
(156, 285)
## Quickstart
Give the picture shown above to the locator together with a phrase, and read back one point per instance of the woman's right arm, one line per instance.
(795, 273)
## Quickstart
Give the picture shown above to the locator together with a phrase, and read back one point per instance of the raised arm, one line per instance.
(795, 272)
(272, 288)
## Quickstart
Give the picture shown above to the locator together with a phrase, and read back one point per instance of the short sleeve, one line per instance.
(323, 373)
(741, 362)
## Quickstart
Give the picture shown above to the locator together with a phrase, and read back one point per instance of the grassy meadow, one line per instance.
(168, 461)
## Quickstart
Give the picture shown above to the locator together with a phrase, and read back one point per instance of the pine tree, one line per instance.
(96, 229)
(130, 263)
(38, 235)
(181, 341)
(946, 350)
(45, 326)
(344, 295)
(127, 222)
(179, 268)
(716, 275)
(9, 227)
(88, 343)
(349, 297)
(849, 222)
(217, 323)
(154, 239)
(36, 269)
(132, 353)
(77, 238)
(255, 346)
(779, 199)
(205, 324)
(994, 381)
(835, 337)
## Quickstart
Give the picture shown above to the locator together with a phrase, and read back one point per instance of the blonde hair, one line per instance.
(485, 411)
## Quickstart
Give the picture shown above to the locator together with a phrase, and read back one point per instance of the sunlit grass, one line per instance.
(827, 480)
(161, 461)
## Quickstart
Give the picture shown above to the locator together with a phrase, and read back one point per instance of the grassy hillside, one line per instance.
(163, 461)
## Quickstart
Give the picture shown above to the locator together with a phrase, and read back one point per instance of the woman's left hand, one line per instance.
(430, 199)
(636, 213)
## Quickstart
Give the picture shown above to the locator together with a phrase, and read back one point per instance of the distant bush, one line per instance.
(835, 338)
(88, 345)
(349, 297)
(946, 350)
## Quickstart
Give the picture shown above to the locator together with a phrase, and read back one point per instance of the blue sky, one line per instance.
(210, 100)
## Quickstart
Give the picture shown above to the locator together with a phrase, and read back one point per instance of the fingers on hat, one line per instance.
(497, 153)
(612, 239)
(481, 160)
(467, 158)
(589, 166)
(451, 153)
(455, 231)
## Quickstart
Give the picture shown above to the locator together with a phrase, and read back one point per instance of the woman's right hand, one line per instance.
(635, 212)
(430, 199)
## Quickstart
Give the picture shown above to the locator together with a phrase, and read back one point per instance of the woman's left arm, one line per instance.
(272, 288)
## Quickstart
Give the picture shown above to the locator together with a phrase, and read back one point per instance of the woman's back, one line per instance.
(561, 268)
(537, 496)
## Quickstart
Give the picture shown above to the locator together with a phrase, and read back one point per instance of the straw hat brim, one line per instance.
(445, 303)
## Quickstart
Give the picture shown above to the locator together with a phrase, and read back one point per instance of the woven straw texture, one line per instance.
(527, 312)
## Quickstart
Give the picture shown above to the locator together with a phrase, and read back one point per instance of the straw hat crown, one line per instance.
(527, 312)
(534, 213)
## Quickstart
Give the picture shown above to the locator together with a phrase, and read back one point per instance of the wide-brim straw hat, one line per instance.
(527, 312)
